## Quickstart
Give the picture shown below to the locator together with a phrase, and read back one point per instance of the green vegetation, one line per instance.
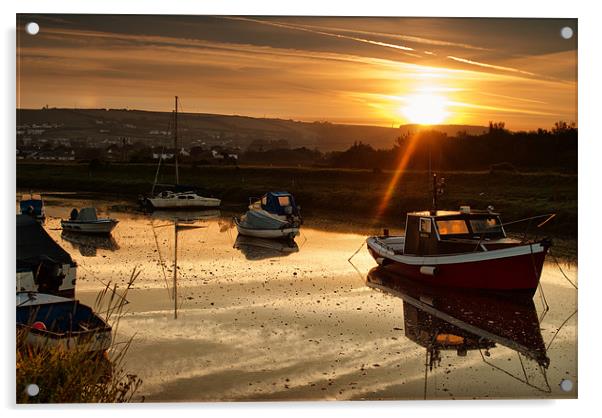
(339, 193)
(76, 375)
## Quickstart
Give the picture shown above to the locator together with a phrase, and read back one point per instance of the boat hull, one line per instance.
(204, 202)
(90, 227)
(512, 269)
(65, 324)
(26, 281)
(266, 233)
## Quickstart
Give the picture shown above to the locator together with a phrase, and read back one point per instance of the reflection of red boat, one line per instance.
(466, 248)
(444, 319)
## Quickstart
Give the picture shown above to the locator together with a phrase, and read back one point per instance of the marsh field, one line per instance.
(342, 196)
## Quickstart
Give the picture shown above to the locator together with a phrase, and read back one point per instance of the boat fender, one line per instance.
(428, 270)
(39, 325)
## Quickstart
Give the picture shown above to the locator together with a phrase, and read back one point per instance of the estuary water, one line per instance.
(264, 320)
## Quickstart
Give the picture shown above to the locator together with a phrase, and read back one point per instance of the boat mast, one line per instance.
(175, 271)
(175, 141)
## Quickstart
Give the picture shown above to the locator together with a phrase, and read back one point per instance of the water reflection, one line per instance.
(239, 320)
(440, 319)
(260, 248)
(89, 244)
(184, 216)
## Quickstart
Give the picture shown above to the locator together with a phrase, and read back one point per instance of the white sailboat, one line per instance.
(179, 199)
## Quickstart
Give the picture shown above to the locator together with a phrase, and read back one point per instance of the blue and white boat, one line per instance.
(48, 321)
(275, 215)
(33, 205)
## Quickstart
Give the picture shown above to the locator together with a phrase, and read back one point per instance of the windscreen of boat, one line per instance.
(452, 227)
(284, 200)
(489, 226)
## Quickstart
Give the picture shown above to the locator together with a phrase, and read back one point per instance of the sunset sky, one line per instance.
(380, 71)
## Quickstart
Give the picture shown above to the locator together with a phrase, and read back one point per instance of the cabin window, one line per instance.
(181, 197)
(452, 227)
(284, 201)
(190, 197)
(488, 226)
(425, 225)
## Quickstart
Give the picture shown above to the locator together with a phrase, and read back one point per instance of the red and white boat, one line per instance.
(465, 249)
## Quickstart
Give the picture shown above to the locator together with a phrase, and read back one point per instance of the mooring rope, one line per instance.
(562, 271)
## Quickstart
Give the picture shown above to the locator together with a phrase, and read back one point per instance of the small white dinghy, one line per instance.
(86, 221)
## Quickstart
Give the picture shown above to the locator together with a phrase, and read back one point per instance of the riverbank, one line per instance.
(346, 196)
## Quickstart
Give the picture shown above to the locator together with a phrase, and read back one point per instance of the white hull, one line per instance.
(25, 281)
(391, 247)
(101, 226)
(267, 233)
(92, 341)
(174, 203)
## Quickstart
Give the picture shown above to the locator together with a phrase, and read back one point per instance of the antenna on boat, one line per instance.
(434, 209)
(438, 188)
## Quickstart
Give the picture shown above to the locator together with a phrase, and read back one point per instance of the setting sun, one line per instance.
(425, 109)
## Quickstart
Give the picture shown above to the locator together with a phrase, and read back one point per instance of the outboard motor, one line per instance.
(49, 276)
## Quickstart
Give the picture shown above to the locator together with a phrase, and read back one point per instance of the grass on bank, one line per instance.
(76, 375)
(355, 194)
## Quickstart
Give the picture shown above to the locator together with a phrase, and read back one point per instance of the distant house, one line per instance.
(163, 156)
(217, 155)
(54, 155)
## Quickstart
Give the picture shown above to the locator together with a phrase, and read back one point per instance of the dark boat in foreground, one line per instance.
(48, 321)
(42, 265)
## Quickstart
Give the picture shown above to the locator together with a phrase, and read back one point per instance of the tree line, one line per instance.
(497, 149)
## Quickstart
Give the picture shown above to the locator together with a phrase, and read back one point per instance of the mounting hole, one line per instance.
(566, 32)
(566, 385)
(32, 28)
(32, 389)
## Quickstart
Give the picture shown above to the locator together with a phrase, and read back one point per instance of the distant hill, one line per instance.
(209, 129)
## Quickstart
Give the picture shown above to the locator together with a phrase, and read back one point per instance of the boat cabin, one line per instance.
(450, 232)
(32, 204)
(279, 203)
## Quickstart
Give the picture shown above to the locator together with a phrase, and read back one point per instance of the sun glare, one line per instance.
(425, 109)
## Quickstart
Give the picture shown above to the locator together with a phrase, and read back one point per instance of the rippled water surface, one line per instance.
(261, 320)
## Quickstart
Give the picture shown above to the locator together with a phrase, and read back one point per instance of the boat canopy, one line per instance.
(446, 232)
(34, 201)
(87, 214)
(278, 202)
(34, 245)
